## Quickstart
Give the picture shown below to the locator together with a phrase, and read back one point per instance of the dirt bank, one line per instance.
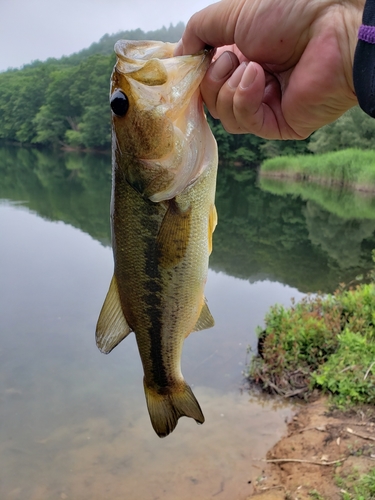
(320, 445)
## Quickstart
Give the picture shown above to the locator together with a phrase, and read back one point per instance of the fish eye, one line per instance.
(119, 103)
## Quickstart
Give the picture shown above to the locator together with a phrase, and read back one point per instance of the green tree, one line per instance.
(58, 113)
(21, 96)
(90, 90)
(271, 149)
(251, 149)
(354, 129)
(76, 112)
(64, 102)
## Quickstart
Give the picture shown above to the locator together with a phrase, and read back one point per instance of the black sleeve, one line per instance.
(364, 61)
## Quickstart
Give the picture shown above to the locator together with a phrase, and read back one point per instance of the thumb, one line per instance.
(214, 26)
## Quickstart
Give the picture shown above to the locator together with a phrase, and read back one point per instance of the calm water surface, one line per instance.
(73, 422)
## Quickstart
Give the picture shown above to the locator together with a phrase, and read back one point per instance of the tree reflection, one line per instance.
(280, 236)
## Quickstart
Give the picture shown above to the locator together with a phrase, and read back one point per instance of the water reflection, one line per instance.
(342, 202)
(339, 221)
(312, 242)
(71, 187)
(288, 238)
(74, 422)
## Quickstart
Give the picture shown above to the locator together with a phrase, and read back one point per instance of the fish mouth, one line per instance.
(133, 50)
(133, 56)
(144, 50)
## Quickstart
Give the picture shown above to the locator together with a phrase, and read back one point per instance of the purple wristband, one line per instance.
(367, 33)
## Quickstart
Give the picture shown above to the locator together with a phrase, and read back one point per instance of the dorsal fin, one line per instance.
(212, 222)
(112, 327)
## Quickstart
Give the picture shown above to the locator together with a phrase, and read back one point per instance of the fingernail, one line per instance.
(178, 49)
(248, 76)
(222, 66)
(235, 79)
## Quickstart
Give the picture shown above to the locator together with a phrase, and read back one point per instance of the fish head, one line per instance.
(157, 116)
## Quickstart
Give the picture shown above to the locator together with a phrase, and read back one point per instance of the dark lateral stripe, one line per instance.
(154, 332)
(154, 311)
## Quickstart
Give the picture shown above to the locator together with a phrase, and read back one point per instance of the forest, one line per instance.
(63, 104)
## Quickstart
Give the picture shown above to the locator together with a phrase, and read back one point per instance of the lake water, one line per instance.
(73, 422)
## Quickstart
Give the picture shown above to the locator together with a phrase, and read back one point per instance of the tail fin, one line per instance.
(166, 409)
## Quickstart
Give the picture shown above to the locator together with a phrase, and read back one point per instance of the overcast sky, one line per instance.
(38, 29)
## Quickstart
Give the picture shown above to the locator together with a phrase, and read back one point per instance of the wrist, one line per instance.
(352, 21)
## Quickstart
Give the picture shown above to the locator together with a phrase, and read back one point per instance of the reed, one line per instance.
(352, 168)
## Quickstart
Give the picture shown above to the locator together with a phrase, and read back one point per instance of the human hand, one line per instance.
(282, 69)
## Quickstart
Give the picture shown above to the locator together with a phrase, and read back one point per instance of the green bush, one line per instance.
(296, 341)
(325, 342)
(349, 372)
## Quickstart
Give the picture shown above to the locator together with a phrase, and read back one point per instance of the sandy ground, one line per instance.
(306, 460)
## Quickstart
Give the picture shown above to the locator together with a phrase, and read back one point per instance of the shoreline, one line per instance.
(320, 445)
(298, 177)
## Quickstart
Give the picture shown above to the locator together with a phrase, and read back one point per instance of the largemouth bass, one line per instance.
(162, 218)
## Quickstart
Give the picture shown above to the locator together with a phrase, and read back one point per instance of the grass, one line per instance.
(324, 342)
(315, 495)
(350, 167)
(357, 487)
(354, 486)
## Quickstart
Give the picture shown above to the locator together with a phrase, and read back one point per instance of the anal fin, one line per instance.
(112, 327)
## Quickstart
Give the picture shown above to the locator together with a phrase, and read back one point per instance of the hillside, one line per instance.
(64, 102)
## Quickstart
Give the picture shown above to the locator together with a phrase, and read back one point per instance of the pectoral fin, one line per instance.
(205, 319)
(174, 234)
(212, 222)
(112, 327)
